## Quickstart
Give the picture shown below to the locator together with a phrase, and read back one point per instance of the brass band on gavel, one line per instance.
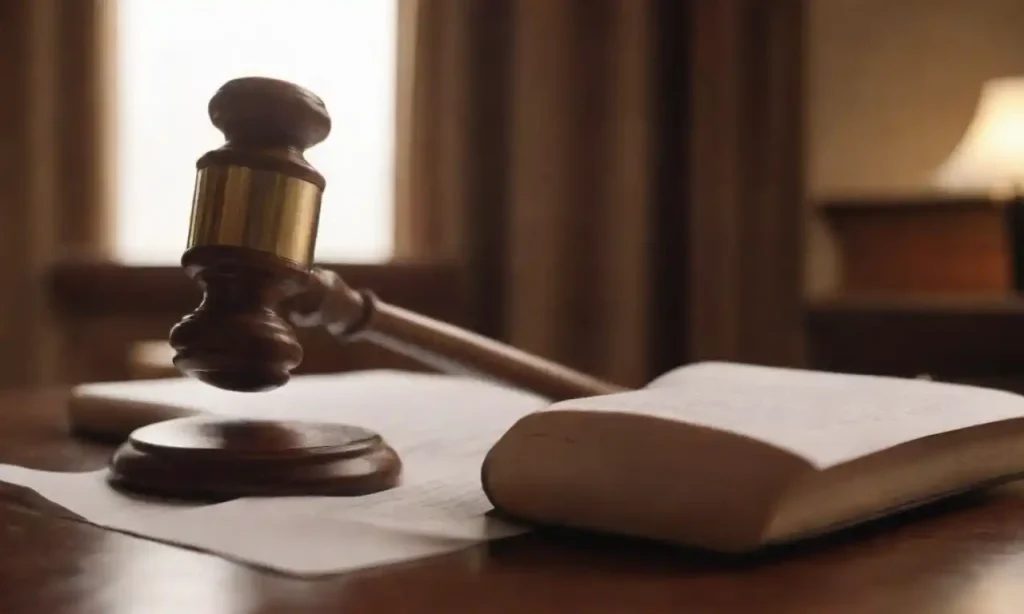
(264, 210)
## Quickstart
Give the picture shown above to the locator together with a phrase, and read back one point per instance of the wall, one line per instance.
(893, 84)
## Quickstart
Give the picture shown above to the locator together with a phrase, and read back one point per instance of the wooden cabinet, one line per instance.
(922, 244)
(925, 287)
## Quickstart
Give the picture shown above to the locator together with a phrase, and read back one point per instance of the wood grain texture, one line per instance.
(921, 244)
(966, 556)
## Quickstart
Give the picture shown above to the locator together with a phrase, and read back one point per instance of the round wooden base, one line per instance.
(213, 458)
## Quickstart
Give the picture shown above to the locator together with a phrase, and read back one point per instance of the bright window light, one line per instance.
(173, 55)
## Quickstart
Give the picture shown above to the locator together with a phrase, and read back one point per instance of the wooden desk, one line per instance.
(965, 558)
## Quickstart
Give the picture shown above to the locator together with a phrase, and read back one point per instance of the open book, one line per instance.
(732, 457)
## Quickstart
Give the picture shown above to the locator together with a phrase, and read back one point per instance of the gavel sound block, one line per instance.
(250, 249)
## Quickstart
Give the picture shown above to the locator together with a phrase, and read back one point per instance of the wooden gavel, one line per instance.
(253, 232)
(250, 248)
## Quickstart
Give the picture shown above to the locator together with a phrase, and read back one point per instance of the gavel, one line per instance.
(251, 244)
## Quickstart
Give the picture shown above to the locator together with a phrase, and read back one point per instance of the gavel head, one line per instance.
(253, 230)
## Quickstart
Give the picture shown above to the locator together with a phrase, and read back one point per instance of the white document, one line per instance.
(441, 426)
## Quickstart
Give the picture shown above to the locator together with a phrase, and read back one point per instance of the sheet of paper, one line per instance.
(827, 418)
(441, 426)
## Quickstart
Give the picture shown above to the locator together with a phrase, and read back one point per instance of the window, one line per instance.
(173, 55)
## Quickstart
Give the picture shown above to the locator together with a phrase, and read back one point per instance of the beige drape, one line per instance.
(54, 114)
(621, 178)
(530, 154)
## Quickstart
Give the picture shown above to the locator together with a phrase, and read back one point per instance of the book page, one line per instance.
(441, 426)
(826, 418)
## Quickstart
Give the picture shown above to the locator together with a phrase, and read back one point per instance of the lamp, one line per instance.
(989, 159)
(990, 156)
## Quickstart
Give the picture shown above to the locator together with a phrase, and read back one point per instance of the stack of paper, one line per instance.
(441, 426)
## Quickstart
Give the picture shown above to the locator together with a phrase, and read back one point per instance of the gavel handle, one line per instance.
(351, 315)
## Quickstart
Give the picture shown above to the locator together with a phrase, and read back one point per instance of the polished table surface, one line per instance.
(966, 557)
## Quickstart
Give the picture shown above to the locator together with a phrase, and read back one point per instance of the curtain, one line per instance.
(622, 179)
(52, 181)
(536, 152)
(543, 146)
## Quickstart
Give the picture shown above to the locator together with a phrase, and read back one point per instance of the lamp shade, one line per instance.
(990, 156)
